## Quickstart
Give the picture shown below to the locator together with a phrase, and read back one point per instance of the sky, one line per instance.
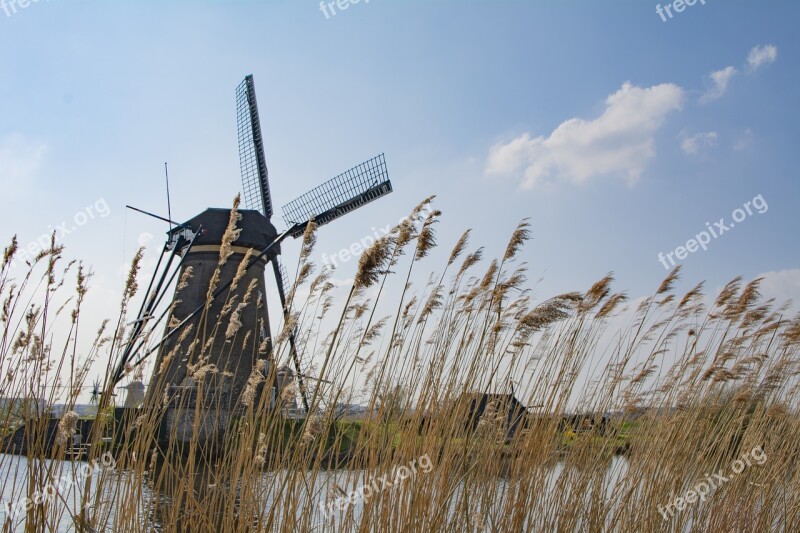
(632, 140)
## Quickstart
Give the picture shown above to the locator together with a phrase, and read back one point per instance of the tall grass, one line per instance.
(693, 383)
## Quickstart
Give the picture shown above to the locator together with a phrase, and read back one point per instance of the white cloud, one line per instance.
(719, 83)
(508, 158)
(692, 144)
(761, 55)
(620, 141)
(720, 79)
(782, 285)
(20, 161)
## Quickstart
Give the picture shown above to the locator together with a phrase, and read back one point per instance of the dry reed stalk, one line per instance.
(671, 426)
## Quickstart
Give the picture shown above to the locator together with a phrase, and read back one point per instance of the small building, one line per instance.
(507, 406)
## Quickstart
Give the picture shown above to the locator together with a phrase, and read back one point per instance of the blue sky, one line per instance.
(619, 135)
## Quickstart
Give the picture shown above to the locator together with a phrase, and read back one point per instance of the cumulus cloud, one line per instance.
(782, 285)
(618, 142)
(20, 161)
(761, 55)
(719, 81)
(692, 144)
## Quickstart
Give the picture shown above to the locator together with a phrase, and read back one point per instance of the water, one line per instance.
(330, 495)
(62, 489)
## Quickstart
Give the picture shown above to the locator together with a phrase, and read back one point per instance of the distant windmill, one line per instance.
(196, 244)
(96, 391)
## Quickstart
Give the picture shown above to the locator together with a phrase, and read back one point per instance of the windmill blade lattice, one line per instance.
(255, 177)
(338, 196)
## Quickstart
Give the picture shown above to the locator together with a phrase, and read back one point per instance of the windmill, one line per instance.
(195, 245)
(96, 391)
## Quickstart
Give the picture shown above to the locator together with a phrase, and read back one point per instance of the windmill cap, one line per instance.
(256, 231)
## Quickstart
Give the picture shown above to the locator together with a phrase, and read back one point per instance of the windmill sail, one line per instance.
(337, 197)
(255, 178)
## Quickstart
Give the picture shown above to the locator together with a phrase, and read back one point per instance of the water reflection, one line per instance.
(220, 503)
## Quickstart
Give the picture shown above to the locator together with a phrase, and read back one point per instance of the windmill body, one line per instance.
(231, 359)
(201, 390)
(229, 355)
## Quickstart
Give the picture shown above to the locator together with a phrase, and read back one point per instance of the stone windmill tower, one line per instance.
(192, 259)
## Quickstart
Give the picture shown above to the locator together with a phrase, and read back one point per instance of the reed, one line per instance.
(690, 386)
